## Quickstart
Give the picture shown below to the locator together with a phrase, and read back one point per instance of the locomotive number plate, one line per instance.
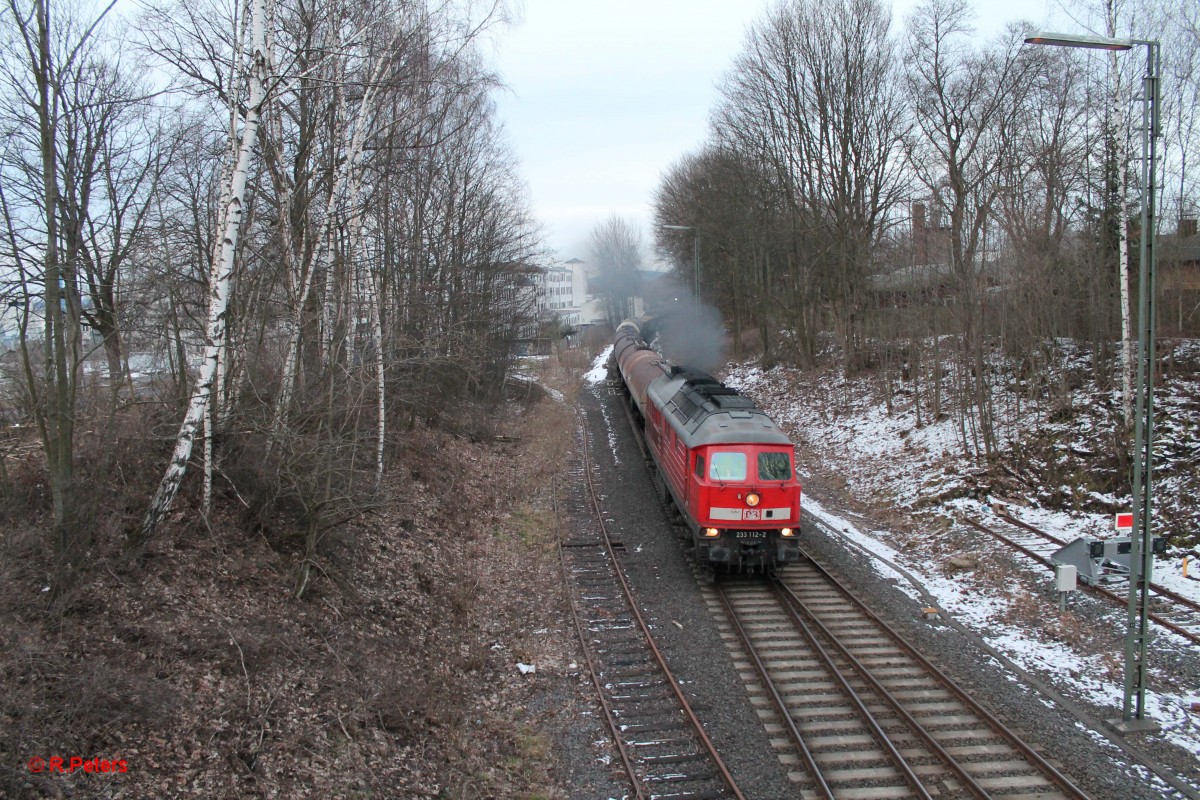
(751, 513)
(751, 535)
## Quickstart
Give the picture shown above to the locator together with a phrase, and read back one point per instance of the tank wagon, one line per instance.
(719, 460)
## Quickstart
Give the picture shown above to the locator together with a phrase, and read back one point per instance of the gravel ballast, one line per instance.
(663, 577)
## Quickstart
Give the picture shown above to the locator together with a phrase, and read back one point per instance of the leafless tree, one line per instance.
(964, 103)
(813, 98)
(740, 224)
(55, 97)
(1038, 190)
(320, 243)
(1116, 171)
(616, 250)
(259, 71)
(1181, 64)
(123, 151)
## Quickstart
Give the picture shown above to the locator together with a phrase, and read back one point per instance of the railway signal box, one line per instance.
(1101, 560)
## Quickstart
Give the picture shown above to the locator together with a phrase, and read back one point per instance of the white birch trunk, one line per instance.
(380, 387)
(295, 325)
(345, 191)
(221, 275)
(206, 496)
(1118, 130)
(370, 288)
(329, 305)
(1126, 315)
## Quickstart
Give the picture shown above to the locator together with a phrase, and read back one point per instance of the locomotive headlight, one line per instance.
(711, 533)
(787, 532)
(753, 499)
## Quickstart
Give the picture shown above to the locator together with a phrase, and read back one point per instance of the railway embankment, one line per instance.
(195, 670)
(901, 489)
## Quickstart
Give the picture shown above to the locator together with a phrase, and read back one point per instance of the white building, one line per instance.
(565, 294)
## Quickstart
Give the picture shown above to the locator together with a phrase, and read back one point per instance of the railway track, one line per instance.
(855, 712)
(1171, 610)
(661, 744)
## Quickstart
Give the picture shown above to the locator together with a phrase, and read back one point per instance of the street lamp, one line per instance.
(1141, 555)
(696, 266)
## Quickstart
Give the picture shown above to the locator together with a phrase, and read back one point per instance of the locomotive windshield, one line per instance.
(727, 467)
(774, 467)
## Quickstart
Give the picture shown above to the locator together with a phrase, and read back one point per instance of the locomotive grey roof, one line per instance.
(707, 411)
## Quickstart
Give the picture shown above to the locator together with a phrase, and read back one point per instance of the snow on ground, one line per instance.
(595, 376)
(847, 435)
(550, 390)
(1068, 526)
(599, 371)
(988, 615)
(869, 435)
(887, 461)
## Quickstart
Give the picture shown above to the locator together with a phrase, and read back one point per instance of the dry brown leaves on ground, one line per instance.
(395, 676)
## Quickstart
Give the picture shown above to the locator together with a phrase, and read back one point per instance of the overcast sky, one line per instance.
(605, 96)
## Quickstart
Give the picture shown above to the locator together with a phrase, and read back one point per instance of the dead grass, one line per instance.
(394, 677)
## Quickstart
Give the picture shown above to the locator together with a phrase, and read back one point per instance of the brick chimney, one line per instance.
(920, 234)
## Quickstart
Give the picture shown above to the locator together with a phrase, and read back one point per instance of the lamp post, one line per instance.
(1141, 550)
(696, 266)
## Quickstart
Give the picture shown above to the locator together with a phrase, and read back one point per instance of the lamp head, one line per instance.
(1073, 40)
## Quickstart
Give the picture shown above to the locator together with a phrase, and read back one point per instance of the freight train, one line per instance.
(719, 460)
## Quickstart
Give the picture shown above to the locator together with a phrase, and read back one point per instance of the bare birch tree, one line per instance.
(343, 194)
(1117, 149)
(374, 267)
(259, 71)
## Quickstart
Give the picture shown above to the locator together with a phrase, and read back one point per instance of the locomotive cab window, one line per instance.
(774, 467)
(727, 467)
(699, 466)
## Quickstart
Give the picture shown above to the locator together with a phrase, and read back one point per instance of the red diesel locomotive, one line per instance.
(724, 464)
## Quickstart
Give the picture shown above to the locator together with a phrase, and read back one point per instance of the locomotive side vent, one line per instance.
(685, 406)
(733, 401)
